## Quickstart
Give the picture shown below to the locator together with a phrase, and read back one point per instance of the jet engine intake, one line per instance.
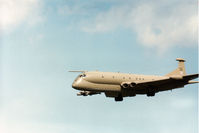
(128, 85)
(133, 84)
(125, 85)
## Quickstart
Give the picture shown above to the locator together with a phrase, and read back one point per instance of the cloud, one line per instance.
(15, 12)
(71, 10)
(156, 24)
(108, 21)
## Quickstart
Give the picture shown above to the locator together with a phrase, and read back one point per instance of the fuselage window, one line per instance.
(102, 76)
(136, 78)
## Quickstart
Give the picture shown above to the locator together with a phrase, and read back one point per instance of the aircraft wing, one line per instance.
(167, 83)
(155, 83)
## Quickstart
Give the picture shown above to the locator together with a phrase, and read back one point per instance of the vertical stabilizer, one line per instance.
(180, 70)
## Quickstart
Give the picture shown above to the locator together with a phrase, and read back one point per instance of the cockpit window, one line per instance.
(82, 75)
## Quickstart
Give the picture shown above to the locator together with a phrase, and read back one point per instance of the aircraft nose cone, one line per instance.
(74, 85)
(77, 84)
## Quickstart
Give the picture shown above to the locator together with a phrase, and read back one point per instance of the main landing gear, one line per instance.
(151, 92)
(119, 98)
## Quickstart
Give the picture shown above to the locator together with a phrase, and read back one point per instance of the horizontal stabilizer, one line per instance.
(190, 76)
(193, 82)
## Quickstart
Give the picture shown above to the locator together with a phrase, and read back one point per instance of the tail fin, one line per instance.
(180, 70)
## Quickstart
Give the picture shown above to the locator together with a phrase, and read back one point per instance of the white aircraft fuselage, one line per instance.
(119, 85)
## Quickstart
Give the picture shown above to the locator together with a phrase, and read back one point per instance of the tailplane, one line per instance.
(180, 70)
